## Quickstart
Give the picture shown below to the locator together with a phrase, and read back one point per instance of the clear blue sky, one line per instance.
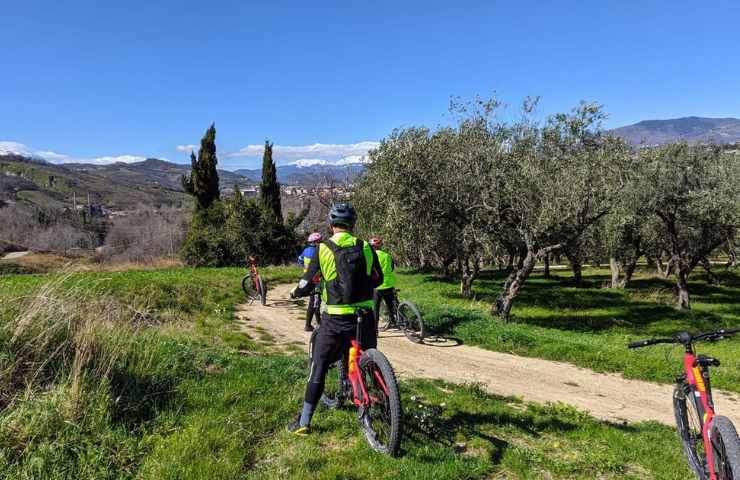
(90, 79)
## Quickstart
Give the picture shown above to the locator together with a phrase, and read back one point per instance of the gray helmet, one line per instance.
(342, 214)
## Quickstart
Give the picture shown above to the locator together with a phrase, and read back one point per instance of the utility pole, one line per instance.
(74, 201)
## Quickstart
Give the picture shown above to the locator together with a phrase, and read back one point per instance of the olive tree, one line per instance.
(558, 180)
(694, 191)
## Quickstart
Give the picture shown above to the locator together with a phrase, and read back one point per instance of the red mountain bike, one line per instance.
(254, 285)
(367, 380)
(710, 442)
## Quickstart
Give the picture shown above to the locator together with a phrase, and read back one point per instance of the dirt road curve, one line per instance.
(606, 396)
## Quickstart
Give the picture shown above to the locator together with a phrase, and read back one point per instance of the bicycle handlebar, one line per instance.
(685, 338)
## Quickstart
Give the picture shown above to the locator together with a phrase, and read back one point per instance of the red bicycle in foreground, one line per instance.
(710, 441)
(254, 285)
(366, 378)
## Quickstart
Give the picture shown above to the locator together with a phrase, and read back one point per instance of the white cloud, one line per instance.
(53, 157)
(324, 151)
(187, 148)
(7, 148)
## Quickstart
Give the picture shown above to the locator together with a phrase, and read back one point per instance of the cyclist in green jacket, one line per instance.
(350, 272)
(386, 292)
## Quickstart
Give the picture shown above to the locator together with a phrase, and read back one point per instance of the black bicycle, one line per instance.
(407, 318)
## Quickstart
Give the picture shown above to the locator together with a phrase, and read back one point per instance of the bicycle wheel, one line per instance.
(262, 289)
(725, 449)
(384, 317)
(382, 421)
(335, 386)
(246, 286)
(689, 425)
(411, 322)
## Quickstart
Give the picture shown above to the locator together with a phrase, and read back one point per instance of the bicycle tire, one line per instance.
(384, 316)
(725, 449)
(262, 287)
(385, 408)
(412, 323)
(334, 393)
(248, 291)
(688, 425)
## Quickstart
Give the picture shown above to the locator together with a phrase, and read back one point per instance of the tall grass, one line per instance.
(62, 334)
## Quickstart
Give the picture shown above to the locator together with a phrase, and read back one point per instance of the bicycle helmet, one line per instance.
(376, 242)
(342, 214)
(314, 237)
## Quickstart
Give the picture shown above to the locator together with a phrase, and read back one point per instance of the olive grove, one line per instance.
(485, 192)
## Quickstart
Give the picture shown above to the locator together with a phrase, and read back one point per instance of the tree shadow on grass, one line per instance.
(553, 304)
(433, 426)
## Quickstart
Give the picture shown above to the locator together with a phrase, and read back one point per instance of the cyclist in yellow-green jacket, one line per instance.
(350, 271)
(386, 292)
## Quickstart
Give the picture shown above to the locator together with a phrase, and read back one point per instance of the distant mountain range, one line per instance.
(122, 186)
(119, 187)
(152, 172)
(307, 174)
(689, 129)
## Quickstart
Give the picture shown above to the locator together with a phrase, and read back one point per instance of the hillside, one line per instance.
(153, 172)
(45, 184)
(689, 129)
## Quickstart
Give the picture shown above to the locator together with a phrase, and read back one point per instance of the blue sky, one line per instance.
(100, 81)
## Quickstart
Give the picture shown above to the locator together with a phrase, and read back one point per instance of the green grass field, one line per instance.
(185, 395)
(587, 326)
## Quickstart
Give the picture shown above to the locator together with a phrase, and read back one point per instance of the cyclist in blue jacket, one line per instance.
(304, 260)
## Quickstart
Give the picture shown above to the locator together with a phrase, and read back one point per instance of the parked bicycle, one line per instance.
(710, 441)
(254, 285)
(366, 379)
(407, 319)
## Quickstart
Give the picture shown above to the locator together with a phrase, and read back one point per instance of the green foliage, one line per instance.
(206, 243)
(270, 188)
(202, 183)
(251, 230)
(223, 235)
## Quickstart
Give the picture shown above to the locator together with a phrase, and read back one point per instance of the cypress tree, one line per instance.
(270, 188)
(202, 182)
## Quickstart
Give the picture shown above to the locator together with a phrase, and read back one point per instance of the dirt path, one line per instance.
(606, 396)
(12, 255)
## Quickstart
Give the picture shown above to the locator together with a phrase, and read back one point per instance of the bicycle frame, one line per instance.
(698, 378)
(253, 273)
(360, 397)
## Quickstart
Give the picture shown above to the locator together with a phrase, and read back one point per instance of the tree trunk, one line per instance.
(616, 269)
(467, 277)
(628, 272)
(547, 266)
(682, 287)
(576, 265)
(512, 286)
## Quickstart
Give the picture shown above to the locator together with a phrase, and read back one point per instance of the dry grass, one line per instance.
(62, 334)
(156, 264)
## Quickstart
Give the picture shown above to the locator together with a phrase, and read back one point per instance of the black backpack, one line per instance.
(352, 283)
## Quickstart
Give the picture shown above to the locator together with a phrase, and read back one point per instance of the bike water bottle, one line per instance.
(352, 360)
